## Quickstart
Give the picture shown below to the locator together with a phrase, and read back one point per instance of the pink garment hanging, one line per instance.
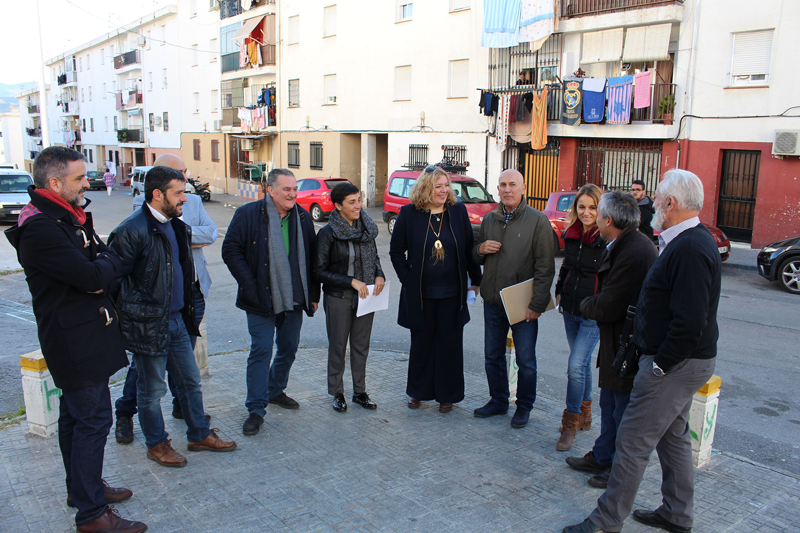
(501, 132)
(262, 118)
(641, 95)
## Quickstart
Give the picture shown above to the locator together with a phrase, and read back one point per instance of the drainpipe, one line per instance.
(688, 107)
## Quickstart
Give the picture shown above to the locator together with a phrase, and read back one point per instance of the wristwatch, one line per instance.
(657, 370)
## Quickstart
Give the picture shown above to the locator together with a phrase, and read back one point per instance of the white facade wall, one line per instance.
(97, 103)
(12, 139)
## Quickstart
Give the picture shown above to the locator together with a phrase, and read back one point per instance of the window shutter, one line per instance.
(459, 78)
(647, 43)
(602, 46)
(752, 53)
(402, 80)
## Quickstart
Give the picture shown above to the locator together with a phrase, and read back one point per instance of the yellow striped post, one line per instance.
(703, 420)
(40, 393)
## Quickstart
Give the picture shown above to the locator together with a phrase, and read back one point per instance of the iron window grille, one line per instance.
(417, 156)
(315, 149)
(294, 155)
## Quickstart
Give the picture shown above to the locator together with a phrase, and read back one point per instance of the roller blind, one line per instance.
(752, 53)
(648, 43)
(602, 46)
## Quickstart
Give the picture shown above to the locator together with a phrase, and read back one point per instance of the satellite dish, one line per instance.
(247, 4)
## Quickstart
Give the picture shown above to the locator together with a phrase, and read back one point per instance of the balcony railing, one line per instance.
(130, 136)
(33, 109)
(230, 62)
(579, 8)
(128, 58)
(230, 117)
(34, 132)
(71, 107)
(659, 92)
(229, 8)
(268, 54)
(134, 98)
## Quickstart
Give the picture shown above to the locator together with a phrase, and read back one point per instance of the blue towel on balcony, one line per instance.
(594, 99)
(501, 16)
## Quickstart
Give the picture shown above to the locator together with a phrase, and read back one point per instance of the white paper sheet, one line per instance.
(373, 303)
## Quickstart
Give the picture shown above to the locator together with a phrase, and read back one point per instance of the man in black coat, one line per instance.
(676, 331)
(624, 265)
(69, 271)
(156, 304)
(269, 248)
(645, 207)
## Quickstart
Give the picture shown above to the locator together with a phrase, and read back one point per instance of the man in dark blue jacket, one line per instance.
(69, 272)
(156, 305)
(675, 329)
(269, 248)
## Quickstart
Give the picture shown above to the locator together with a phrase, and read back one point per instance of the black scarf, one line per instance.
(362, 234)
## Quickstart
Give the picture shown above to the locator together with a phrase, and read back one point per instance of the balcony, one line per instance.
(580, 8)
(662, 102)
(34, 132)
(130, 136)
(33, 109)
(134, 99)
(71, 108)
(230, 62)
(127, 59)
(229, 8)
(230, 117)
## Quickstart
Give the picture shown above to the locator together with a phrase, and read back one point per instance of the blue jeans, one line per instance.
(524, 334)
(612, 407)
(265, 381)
(83, 424)
(151, 387)
(582, 336)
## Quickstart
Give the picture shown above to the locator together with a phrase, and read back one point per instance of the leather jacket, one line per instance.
(145, 291)
(331, 262)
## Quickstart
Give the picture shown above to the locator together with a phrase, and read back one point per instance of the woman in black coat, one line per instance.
(430, 251)
(583, 247)
(345, 263)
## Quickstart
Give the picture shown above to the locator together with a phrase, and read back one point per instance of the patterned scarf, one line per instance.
(362, 234)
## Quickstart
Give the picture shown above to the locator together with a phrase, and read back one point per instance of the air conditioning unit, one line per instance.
(787, 142)
(246, 144)
(213, 5)
(141, 41)
(217, 125)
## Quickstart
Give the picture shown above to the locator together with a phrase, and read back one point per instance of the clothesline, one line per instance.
(520, 89)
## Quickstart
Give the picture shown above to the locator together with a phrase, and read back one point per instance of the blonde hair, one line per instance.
(591, 190)
(422, 193)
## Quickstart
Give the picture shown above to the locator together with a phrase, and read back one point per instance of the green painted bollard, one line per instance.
(703, 420)
(41, 395)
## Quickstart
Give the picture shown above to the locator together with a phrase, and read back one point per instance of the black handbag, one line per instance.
(626, 362)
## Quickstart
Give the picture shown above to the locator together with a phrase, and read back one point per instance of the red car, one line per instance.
(467, 190)
(314, 194)
(560, 202)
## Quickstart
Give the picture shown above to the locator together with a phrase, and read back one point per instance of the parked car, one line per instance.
(13, 193)
(561, 201)
(95, 178)
(781, 261)
(314, 194)
(137, 180)
(468, 190)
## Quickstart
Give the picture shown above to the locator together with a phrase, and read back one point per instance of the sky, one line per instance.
(65, 25)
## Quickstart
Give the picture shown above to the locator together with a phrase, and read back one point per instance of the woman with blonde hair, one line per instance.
(583, 247)
(430, 251)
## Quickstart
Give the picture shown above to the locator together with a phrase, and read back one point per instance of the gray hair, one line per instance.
(53, 161)
(622, 208)
(275, 173)
(684, 186)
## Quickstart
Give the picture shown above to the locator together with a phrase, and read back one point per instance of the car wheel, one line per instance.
(390, 223)
(789, 275)
(316, 213)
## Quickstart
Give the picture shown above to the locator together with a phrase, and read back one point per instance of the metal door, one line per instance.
(737, 193)
(541, 173)
(612, 164)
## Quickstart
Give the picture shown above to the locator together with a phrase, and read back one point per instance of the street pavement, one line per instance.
(400, 470)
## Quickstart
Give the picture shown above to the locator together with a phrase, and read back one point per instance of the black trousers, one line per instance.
(436, 357)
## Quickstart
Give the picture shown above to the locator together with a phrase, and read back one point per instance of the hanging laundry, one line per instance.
(539, 120)
(571, 102)
(512, 115)
(252, 53)
(594, 99)
(482, 101)
(501, 16)
(537, 20)
(521, 105)
(262, 119)
(242, 55)
(501, 133)
(641, 97)
(500, 39)
(620, 90)
(520, 130)
(487, 108)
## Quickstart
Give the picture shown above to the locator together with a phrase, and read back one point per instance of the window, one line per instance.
(196, 149)
(402, 83)
(294, 93)
(150, 78)
(196, 102)
(315, 150)
(195, 55)
(80, 64)
(329, 82)
(417, 155)
(294, 29)
(147, 39)
(308, 185)
(458, 5)
(192, 8)
(404, 10)
(163, 35)
(329, 29)
(294, 155)
(164, 77)
(105, 93)
(91, 157)
(88, 61)
(102, 56)
(398, 187)
(165, 121)
(226, 33)
(115, 123)
(90, 93)
(213, 46)
(81, 95)
(106, 123)
(751, 58)
(215, 151)
(458, 82)
(91, 125)
(152, 122)
(214, 100)
(110, 155)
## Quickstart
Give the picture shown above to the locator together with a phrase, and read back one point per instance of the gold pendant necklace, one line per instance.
(438, 243)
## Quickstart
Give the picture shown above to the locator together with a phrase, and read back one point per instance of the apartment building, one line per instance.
(709, 64)
(11, 152)
(30, 124)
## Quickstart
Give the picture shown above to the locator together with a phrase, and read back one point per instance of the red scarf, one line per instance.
(77, 212)
(575, 232)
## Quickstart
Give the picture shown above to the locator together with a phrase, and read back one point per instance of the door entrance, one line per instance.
(737, 193)
(539, 167)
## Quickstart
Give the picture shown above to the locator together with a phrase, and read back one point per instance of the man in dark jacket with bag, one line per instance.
(269, 249)
(156, 305)
(69, 273)
(624, 265)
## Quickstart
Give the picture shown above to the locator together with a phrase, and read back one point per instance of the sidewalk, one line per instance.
(393, 469)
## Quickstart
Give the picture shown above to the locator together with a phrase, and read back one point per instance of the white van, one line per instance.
(137, 180)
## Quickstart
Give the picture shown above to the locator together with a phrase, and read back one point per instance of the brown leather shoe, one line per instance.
(111, 521)
(111, 494)
(445, 407)
(586, 415)
(569, 426)
(165, 455)
(212, 443)
(413, 403)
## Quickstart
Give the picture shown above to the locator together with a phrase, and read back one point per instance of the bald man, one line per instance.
(515, 244)
(204, 232)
